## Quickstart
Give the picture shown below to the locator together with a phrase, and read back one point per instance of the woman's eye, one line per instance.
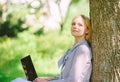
(80, 25)
(73, 24)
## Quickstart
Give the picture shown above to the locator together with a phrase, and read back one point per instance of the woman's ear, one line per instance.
(87, 31)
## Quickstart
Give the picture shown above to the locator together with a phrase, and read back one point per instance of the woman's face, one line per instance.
(78, 28)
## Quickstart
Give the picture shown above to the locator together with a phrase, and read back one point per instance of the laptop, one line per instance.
(28, 68)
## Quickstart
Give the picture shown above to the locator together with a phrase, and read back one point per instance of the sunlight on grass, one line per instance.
(45, 48)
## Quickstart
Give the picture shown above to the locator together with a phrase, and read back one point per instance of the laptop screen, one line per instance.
(28, 68)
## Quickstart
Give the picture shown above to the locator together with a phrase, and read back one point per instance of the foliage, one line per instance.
(13, 23)
(75, 1)
(45, 48)
(10, 28)
(39, 31)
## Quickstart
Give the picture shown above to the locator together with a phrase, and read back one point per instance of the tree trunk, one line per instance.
(105, 21)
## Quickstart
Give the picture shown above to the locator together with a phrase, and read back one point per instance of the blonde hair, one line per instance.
(87, 24)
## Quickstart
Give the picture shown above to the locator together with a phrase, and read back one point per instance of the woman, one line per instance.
(76, 63)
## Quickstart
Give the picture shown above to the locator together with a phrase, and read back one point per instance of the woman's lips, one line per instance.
(74, 30)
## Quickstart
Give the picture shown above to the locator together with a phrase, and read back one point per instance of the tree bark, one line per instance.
(105, 22)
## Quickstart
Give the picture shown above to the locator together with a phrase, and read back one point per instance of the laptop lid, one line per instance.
(28, 68)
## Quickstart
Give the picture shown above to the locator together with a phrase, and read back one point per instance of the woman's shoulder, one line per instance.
(84, 47)
(85, 44)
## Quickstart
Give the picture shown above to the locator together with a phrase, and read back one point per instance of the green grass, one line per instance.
(45, 49)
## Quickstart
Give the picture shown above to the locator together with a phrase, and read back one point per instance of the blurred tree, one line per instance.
(10, 23)
(54, 13)
(50, 14)
(11, 28)
(75, 1)
(105, 20)
(46, 14)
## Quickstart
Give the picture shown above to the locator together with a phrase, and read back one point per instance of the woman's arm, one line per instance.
(80, 70)
(81, 67)
(44, 79)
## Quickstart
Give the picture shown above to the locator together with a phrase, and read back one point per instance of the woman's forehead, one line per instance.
(78, 19)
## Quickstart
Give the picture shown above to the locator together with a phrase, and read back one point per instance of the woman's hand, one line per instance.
(41, 79)
(44, 79)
